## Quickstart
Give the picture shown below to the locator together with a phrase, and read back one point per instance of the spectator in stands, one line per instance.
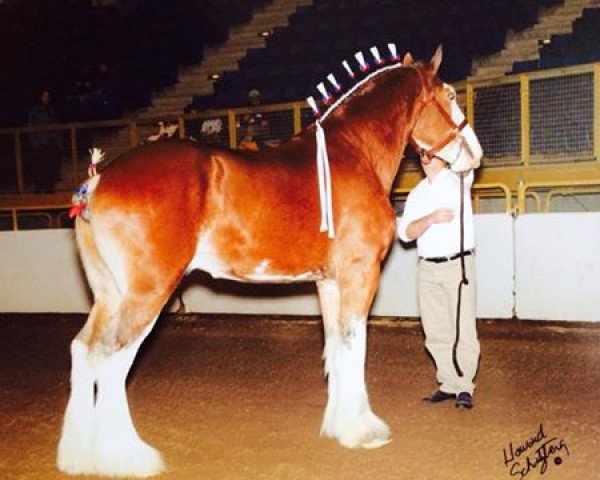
(431, 217)
(46, 145)
(253, 128)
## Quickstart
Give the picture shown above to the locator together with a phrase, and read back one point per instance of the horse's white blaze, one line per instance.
(348, 416)
(473, 145)
(469, 149)
(464, 152)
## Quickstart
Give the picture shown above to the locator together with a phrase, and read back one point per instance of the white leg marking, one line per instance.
(118, 449)
(327, 426)
(101, 439)
(329, 297)
(348, 416)
(75, 454)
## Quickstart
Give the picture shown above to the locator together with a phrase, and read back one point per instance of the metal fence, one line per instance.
(530, 119)
(498, 122)
(268, 125)
(539, 117)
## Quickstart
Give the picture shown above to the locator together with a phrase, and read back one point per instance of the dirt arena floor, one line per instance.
(242, 398)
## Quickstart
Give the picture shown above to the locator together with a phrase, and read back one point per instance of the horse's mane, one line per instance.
(364, 67)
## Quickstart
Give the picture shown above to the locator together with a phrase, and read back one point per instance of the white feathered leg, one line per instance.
(329, 297)
(118, 449)
(348, 416)
(75, 453)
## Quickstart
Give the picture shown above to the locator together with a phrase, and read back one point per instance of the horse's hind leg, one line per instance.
(348, 415)
(98, 434)
(75, 450)
(118, 448)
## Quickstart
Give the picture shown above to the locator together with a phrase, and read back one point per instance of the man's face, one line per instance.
(45, 98)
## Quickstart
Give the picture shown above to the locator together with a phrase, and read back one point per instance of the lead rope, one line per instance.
(463, 280)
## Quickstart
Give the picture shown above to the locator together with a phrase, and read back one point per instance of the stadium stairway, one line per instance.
(194, 80)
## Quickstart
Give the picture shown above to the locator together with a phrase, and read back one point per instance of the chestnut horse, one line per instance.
(165, 209)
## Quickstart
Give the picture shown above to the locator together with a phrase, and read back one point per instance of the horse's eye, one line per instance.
(451, 95)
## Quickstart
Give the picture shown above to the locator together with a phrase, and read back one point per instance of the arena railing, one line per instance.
(116, 136)
(23, 212)
(553, 189)
(534, 127)
(538, 117)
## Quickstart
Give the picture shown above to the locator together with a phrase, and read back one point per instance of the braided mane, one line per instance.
(363, 67)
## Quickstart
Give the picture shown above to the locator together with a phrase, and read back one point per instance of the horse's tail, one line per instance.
(82, 196)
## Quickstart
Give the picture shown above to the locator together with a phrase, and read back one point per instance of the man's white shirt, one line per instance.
(440, 239)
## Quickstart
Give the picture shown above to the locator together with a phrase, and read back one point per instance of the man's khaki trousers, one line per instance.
(438, 296)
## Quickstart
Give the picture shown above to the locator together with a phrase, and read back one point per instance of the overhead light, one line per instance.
(214, 77)
(264, 34)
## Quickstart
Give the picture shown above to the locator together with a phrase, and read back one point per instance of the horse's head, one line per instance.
(441, 129)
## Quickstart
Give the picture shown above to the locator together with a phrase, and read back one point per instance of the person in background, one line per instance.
(46, 147)
(431, 217)
(253, 128)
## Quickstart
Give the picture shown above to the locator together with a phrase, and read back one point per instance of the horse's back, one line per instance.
(244, 215)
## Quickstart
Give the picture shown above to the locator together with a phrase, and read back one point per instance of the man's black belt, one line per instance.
(448, 258)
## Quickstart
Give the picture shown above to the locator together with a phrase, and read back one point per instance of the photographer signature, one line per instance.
(533, 453)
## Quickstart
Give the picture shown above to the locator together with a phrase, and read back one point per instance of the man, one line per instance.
(431, 216)
(253, 128)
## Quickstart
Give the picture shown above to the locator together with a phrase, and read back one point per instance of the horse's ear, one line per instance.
(408, 59)
(436, 60)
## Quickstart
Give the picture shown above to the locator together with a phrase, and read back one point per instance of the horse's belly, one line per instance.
(243, 267)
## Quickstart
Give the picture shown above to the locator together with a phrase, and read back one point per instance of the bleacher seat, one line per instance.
(579, 47)
(321, 35)
(143, 42)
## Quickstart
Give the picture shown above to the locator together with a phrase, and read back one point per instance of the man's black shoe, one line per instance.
(439, 396)
(464, 400)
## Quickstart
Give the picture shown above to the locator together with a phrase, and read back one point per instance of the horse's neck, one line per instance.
(379, 141)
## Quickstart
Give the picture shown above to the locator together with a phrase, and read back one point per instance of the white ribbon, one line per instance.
(323, 172)
(324, 177)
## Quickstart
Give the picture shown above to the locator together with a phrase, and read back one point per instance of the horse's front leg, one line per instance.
(348, 416)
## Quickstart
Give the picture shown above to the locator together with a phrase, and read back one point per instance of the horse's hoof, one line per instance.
(366, 431)
(74, 455)
(137, 459)
(75, 466)
(376, 443)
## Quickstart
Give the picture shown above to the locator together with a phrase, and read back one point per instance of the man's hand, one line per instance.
(441, 215)
(416, 228)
